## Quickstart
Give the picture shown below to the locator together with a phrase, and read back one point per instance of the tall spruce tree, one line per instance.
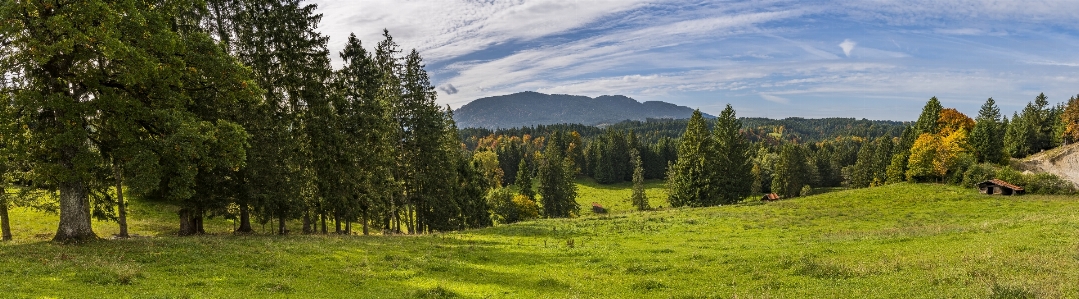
(524, 180)
(638, 199)
(557, 192)
(987, 138)
(927, 121)
(732, 164)
(791, 171)
(882, 158)
(861, 175)
(689, 180)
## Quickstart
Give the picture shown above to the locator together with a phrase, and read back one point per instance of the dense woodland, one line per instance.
(231, 108)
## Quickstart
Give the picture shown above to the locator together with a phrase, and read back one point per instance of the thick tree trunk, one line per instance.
(5, 225)
(198, 222)
(245, 220)
(188, 224)
(348, 228)
(120, 205)
(74, 213)
(366, 227)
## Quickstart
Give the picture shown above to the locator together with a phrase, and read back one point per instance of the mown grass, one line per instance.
(898, 241)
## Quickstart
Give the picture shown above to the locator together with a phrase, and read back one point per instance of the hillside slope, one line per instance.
(1062, 161)
(533, 108)
(896, 241)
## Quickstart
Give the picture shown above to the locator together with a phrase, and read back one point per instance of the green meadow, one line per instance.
(896, 241)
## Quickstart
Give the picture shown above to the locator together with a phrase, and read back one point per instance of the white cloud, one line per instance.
(847, 45)
(772, 98)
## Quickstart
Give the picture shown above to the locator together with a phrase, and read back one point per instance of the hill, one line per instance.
(896, 241)
(1062, 161)
(533, 108)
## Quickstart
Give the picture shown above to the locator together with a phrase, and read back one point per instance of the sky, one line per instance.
(874, 59)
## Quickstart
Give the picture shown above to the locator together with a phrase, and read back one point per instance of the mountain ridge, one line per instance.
(531, 108)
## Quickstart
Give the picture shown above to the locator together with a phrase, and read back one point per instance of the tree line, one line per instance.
(231, 108)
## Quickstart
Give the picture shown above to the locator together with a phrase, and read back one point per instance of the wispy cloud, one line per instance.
(767, 57)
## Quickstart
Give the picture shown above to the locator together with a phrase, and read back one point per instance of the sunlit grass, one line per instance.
(899, 241)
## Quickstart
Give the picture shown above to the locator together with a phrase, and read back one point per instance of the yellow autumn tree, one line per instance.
(488, 162)
(1070, 117)
(951, 150)
(952, 120)
(920, 166)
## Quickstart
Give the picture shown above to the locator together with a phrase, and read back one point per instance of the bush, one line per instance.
(806, 191)
(977, 174)
(1045, 183)
(509, 207)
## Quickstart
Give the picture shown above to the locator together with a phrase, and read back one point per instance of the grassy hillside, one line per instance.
(926, 241)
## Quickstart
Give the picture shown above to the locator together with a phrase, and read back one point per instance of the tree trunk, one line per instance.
(336, 223)
(74, 213)
(120, 205)
(245, 220)
(307, 223)
(322, 217)
(5, 225)
(188, 224)
(198, 222)
(397, 220)
(366, 227)
(348, 228)
(410, 220)
(281, 225)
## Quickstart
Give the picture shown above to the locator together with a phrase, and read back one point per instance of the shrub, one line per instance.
(977, 174)
(509, 207)
(806, 191)
(1045, 183)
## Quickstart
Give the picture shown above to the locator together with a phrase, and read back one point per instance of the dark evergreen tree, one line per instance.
(987, 138)
(638, 199)
(524, 180)
(927, 121)
(689, 180)
(731, 164)
(862, 174)
(557, 191)
(791, 171)
(882, 158)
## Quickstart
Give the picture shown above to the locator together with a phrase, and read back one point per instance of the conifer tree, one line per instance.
(1017, 136)
(987, 138)
(927, 121)
(639, 199)
(524, 180)
(861, 175)
(882, 158)
(732, 164)
(557, 191)
(689, 180)
(791, 171)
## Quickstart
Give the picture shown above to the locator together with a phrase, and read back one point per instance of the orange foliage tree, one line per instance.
(952, 120)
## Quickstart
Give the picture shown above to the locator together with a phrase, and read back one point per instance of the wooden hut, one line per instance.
(998, 187)
(770, 197)
(598, 209)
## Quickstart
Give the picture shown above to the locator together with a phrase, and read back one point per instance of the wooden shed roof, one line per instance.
(1004, 184)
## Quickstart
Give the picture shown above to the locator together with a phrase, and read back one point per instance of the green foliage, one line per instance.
(689, 180)
(507, 207)
(731, 164)
(792, 171)
(927, 121)
(524, 180)
(639, 199)
(987, 138)
(557, 191)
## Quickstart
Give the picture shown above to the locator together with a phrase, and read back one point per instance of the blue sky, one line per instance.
(876, 59)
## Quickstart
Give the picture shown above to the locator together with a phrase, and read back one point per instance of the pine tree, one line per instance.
(731, 161)
(987, 138)
(638, 199)
(882, 158)
(927, 121)
(862, 174)
(689, 180)
(791, 171)
(1017, 137)
(524, 180)
(557, 191)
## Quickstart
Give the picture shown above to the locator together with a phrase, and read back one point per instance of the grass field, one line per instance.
(897, 241)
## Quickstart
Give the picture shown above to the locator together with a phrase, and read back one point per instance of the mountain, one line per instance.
(533, 108)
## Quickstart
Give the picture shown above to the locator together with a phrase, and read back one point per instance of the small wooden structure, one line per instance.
(598, 209)
(770, 197)
(998, 187)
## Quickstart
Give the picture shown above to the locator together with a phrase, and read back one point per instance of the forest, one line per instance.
(232, 109)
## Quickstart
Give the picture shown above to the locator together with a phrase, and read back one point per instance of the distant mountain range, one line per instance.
(533, 108)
